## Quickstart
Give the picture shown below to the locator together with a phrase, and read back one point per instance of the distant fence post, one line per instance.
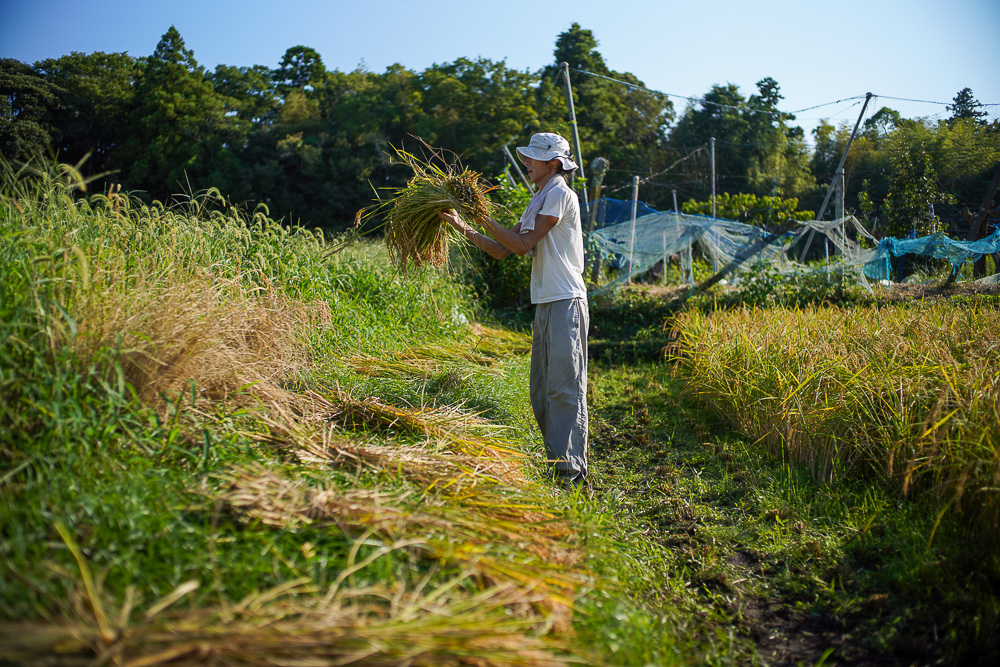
(600, 167)
(631, 245)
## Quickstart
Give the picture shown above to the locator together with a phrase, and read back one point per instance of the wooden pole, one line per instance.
(838, 208)
(528, 184)
(713, 176)
(665, 255)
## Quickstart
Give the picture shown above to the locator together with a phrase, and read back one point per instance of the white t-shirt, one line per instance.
(557, 265)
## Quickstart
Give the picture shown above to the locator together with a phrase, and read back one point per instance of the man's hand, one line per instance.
(484, 243)
(451, 217)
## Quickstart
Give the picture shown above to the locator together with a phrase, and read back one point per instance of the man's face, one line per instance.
(539, 171)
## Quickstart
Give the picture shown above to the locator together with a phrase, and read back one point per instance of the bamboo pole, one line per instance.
(829, 191)
(528, 184)
(576, 133)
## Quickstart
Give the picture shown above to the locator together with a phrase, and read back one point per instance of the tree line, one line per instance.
(312, 143)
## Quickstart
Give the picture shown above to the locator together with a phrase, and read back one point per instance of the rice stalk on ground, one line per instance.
(297, 623)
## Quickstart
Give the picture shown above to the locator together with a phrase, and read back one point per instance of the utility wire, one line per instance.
(703, 101)
(696, 151)
(683, 97)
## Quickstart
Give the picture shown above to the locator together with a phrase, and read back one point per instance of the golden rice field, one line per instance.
(907, 394)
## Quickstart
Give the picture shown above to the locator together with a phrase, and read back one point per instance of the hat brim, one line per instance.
(545, 156)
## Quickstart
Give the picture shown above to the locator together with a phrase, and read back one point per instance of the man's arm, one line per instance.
(513, 240)
(484, 243)
(504, 241)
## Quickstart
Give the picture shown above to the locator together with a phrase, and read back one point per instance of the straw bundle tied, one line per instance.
(414, 233)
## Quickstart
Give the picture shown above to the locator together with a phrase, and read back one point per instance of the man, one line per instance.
(550, 232)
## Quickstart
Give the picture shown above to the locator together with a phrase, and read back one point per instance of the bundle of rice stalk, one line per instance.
(414, 234)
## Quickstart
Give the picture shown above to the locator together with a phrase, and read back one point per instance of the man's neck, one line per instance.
(544, 181)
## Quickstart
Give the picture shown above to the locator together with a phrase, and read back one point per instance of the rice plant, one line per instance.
(414, 234)
(906, 395)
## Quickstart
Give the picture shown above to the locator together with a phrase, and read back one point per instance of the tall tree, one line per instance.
(250, 92)
(756, 150)
(28, 107)
(177, 124)
(475, 107)
(718, 114)
(780, 160)
(966, 106)
(619, 120)
(101, 84)
(913, 191)
(301, 67)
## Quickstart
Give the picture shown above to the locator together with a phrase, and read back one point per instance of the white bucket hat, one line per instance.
(546, 146)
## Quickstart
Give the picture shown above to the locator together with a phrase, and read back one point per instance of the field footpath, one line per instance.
(685, 486)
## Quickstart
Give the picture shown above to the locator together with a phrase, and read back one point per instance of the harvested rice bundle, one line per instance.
(414, 234)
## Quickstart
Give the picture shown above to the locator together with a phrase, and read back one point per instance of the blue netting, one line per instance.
(612, 211)
(937, 246)
(654, 236)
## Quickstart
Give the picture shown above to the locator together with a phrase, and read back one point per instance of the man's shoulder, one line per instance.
(563, 190)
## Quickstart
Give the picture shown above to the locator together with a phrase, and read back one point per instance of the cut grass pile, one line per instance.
(908, 394)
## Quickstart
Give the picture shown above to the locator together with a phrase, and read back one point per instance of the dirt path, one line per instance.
(683, 478)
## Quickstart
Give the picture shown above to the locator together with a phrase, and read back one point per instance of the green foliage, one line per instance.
(178, 122)
(756, 150)
(249, 91)
(99, 87)
(913, 191)
(750, 209)
(475, 108)
(898, 167)
(28, 111)
(763, 286)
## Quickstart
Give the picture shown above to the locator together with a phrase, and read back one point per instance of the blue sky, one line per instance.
(819, 52)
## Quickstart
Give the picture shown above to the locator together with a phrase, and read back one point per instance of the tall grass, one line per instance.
(908, 395)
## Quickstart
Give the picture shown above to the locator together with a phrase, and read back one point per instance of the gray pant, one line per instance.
(558, 384)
